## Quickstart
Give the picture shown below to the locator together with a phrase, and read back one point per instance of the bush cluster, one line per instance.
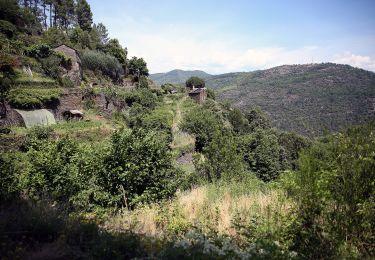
(105, 63)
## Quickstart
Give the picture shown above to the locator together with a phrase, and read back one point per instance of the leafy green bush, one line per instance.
(65, 61)
(51, 66)
(7, 28)
(221, 159)
(262, 154)
(33, 98)
(139, 168)
(38, 51)
(67, 82)
(203, 124)
(105, 63)
(334, 189)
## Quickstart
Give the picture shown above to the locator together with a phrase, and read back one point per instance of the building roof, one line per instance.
(197, 90)
(76, 112)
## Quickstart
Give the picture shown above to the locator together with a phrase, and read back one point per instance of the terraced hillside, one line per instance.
(304, 98)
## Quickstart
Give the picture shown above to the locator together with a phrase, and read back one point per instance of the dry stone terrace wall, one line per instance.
(71, 99)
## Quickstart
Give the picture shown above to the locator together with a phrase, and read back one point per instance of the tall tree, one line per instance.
(102, 33)
(84, 15)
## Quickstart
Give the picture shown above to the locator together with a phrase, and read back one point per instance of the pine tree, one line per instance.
(84, 15)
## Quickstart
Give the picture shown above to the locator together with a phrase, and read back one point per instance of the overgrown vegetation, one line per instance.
(161, 176)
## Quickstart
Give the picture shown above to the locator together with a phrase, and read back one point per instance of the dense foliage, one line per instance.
(303, 98)
(334, 190)
(195, 82)
(101, 62)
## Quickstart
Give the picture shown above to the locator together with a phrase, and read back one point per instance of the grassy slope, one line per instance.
(213, 207)
(303, 98)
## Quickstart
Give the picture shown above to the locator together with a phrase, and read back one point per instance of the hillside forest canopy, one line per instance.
(144, 171)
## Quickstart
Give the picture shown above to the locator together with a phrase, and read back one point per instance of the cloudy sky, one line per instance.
(241, 35)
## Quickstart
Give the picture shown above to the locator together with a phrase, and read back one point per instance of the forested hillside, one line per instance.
(98, 163)
(177, 76)
(307, 99)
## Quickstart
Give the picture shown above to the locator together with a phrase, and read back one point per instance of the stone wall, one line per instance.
(70, 100)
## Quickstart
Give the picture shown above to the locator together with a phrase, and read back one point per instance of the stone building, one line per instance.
(199, 95)
(74, 72)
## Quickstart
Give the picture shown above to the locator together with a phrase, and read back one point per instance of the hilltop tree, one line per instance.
(84, 15)
(196, 82)
(138, 64)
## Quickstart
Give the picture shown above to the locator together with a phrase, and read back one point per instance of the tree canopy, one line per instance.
(196, 82)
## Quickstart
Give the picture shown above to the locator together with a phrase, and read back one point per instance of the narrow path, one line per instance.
(180, 138)
(178, 115)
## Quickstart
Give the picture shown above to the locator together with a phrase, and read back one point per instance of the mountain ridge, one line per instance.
(307, 99)
(177, 76)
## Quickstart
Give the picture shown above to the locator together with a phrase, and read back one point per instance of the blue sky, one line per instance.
(238, 35)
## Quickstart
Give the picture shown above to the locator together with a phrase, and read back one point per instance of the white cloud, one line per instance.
(365, 62)
(166, 53)
(178, 47)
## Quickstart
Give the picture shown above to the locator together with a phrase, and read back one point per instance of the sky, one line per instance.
(241, 35)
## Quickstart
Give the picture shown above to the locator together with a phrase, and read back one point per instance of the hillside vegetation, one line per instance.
(307, 99)
(177, 76)
(156, 175)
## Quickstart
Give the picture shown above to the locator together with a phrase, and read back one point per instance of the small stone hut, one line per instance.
(74, 72)
(199, 95)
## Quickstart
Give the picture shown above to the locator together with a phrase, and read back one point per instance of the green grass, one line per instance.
(27, 98)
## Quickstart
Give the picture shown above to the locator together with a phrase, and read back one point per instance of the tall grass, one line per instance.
(218, 207)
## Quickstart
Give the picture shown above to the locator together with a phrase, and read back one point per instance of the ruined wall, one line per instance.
(70, 100)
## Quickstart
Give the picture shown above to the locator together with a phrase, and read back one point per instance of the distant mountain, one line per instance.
(177, 76)
(304, 98)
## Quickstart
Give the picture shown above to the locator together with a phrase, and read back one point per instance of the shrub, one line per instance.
(65, 61)
(51, 66)
(138, 168)
(105, 63)
(334, 189)
(211, 94)
(38, 51)
(221, 159)
(7, 28)
(33, 98)
(67, 82)
(262, 154)
(203, 124)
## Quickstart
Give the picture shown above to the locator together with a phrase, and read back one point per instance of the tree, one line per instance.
(102, 33)
(261, 152)
(334, 189)
(84, 15)
(257, 120)
(114, 48)
(138, 65)
(138, 168)
(196, 82)
(238, 121)
(65, 12)
(203, 124)
(221, 158)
